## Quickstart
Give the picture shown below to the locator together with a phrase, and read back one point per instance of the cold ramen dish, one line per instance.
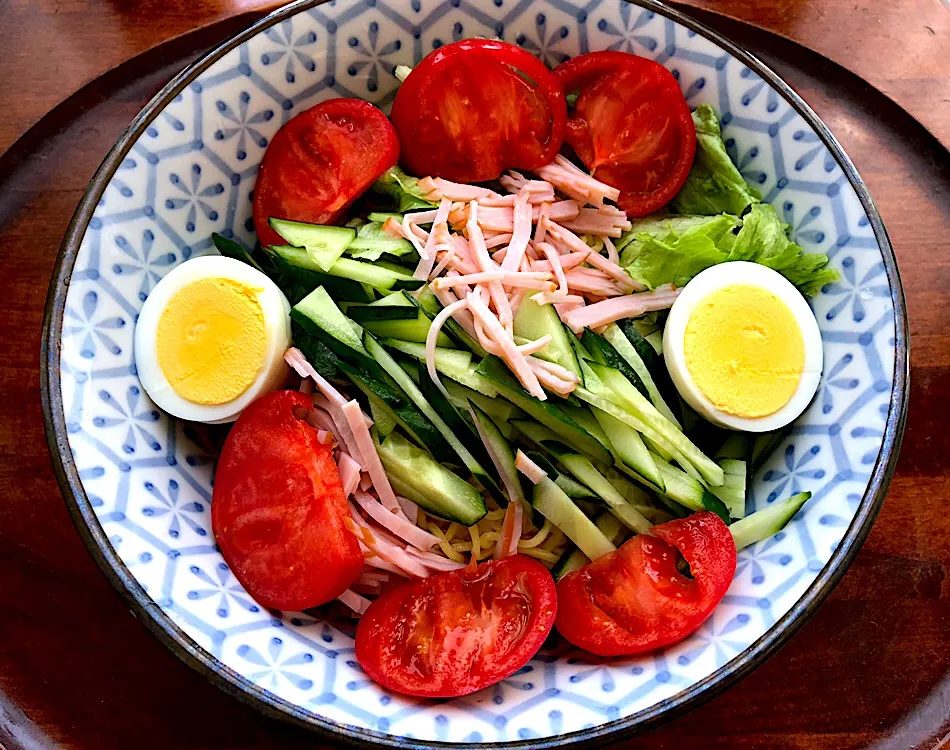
(501, 363)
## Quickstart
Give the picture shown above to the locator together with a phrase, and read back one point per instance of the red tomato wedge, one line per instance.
(278, 508)
(473, 109)
(635, 600)
(456, 633)
(320, 161)
(631, 126)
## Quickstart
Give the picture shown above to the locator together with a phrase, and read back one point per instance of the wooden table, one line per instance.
(871, 668)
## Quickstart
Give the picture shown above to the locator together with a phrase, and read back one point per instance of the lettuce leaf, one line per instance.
(673, 249)
(714, 184)
(402, 187)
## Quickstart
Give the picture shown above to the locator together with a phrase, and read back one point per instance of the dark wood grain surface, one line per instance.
(872, 668)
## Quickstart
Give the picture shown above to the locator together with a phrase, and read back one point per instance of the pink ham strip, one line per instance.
(559, 371)
(370, 458)
(567, 262)
(384, 545)
(555, 262)
(573, 182)
(366, 482)
(408, 231)
(544, 214)
(373, 560)
(464, 318)
(515, 359)
(354, 601)
(551, 381)
(434, 561)
(372, 577)
(447, 258)
(409, 509)
(520, 235)
(594, 221)
(612, 255)
(396, 523)
(433, 335)
(306, 386)
(438, 236)
(628, 306)
(517, 530)
(552, 298)
(477, 243)
(498, 240)
(319, 418)
(436, 188)
(511, 531)
(529, 468)
(522, 279)
(349, 473)
(589, 280)
(533, 347)
(324, 437)
(502, 219)
(294, 357)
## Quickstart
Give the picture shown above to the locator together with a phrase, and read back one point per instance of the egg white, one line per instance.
(750, 274)
(276, 312)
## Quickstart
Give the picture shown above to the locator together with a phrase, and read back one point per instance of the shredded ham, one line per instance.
(366, 482)
(435, 562)
(628, 306)
(515, 359)
(349, 473)
(398, 524)
(409, 509)
(555, 262)
(438, 189)
(578, 185)
(540, 280)
(438, 236)
(612, 255)
(599, 222)
(370, 458)
(433, 335)
(521, 233)
(354, 601)
(380, 544)
(528, 467)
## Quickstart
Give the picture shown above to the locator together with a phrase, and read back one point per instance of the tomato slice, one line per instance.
(473, 109)
(320, 161)
(278, 508)
(456, 633)
(635, 599)
(631, 126)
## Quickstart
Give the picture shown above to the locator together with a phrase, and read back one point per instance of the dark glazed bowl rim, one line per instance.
(162, 626)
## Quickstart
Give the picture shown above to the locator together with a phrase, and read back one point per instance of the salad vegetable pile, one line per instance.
(540, 332)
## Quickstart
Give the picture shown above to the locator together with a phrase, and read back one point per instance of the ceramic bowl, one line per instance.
(139, 483)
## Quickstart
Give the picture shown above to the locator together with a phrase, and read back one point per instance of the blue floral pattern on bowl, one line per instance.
(189, 170)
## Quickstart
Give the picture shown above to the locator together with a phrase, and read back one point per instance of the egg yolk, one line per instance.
(211, 340)
(745, 351)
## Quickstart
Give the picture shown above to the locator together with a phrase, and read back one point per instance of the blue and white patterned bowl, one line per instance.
(139, 484)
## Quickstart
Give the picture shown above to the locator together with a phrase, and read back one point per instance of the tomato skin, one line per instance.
(278, 509)
(320, 161)
(459, 632)
(635, 600)
(631, 126)
(464, 114)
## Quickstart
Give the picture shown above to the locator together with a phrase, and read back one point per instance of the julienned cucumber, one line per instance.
(319, 316)
(732, 490)
(453, 363)
(392, 367)
(688, 492)
(625, 349)
(499, 451)
(415, 329)
(324, 244)
(419, 477)
(573, 559)
(552, 503)
(545, 412)
(301, 280)
(602, 351)
(374, 275)
(619, 390)
(766, 522)
(587, 473)
(533, 321)
(628, 447)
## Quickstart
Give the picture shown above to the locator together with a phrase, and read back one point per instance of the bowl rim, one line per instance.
(191, 653)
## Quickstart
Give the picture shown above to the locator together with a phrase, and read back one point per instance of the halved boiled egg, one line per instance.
(743, 347)
(211, 338)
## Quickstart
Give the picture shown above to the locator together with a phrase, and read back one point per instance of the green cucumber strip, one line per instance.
(499, 452)
(587, 473)
(384, 420)
(732, 490)
(552, 503)
(385, 360)
(602, 351)
(324, 244)
(231, 249)
(419, 477)
(544, 412)
(371, 313)
(621, 344)
(620, 392)
(453, 363)
(688, 492)
(319, 316)
(573, 559)
(738, 446)
(532, 321)
(500, 410)
(402, 410)
(628, 447)
(293, 264)
(766, 522)
(414, 330)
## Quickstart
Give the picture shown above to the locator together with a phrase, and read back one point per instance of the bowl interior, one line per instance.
(142, 481)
